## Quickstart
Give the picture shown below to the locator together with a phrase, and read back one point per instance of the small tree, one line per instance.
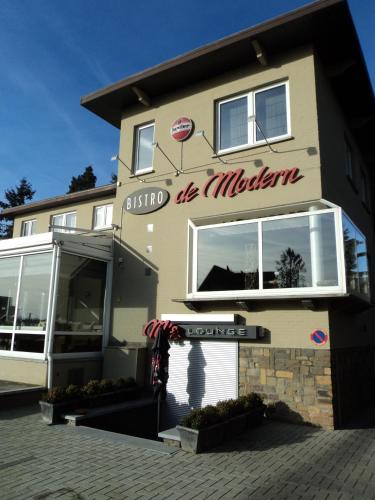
(87, 180)
(290, 267)
(14, 197)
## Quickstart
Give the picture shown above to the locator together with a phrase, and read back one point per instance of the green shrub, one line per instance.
(252, 401)
(55, 395)
(230, 408)
(201, 417)
(92, 388)
(124, 383)
(106, 385)
(73, 391)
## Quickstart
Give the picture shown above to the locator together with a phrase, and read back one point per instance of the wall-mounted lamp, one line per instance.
(117, 158)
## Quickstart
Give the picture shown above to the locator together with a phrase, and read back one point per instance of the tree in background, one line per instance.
(87, 180)
(290, 269)
(14, 197)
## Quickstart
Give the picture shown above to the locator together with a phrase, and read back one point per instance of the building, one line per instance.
(243, 212)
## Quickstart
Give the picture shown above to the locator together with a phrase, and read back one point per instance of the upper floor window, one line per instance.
(349, 167)
(251, 118)
(28, 227)
(144, 150)
(67, 220)
(364, 188)
(103, 216)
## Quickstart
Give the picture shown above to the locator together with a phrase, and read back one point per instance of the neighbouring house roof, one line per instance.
(326, 24)
(59, 201)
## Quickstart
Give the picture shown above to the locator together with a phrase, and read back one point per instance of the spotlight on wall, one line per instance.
(199, 133)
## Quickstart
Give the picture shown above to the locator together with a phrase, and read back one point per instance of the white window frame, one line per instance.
(251, 130)
(349, 161)
(64, 216)
(27, 227)
(14, 330)
(136, 170)
(105, 207)
(336, 290)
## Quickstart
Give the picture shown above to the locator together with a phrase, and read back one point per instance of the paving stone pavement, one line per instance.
(276, 461)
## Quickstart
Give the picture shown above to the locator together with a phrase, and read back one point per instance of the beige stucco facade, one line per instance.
(153, 295)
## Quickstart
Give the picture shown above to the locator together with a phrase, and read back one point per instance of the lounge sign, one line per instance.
(213, 331)
(145, 201)
(223, 331)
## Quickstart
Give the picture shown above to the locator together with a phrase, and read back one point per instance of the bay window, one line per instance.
(249, 119)
(307, 254)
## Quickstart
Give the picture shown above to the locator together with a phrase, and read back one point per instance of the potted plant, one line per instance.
(232, 412)
(201, 430)
(254, 408)
(53, 404)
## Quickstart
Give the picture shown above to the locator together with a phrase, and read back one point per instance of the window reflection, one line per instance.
(286, 253)
(9, 272)
(80, 296)
(228, 258)
(28, 343)
(34, 291)
(356, 263)
(5, 341)
(77, 343)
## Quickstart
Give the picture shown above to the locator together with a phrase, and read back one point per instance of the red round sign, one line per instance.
(181, 128)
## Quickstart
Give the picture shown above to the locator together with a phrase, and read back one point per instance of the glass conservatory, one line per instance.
(54, 293)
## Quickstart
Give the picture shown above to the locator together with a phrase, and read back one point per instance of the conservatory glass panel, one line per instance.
(80, 296)
(9, 272)
(34, 292)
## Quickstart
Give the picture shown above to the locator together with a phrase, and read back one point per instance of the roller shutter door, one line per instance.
(200, 373)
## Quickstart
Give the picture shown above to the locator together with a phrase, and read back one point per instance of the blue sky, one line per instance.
(52, 52)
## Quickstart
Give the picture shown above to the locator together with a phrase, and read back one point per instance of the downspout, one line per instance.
(51, 326)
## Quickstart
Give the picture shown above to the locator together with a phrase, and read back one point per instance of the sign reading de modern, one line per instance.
(145, 201)
(233, 182)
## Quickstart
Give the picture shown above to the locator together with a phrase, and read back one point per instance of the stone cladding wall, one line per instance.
(297, 381)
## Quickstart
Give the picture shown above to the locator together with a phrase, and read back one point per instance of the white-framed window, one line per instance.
(25, 288)
(291, 255)
(103, 216)
(28, 227)
(364, 188)
(66, 220)
(249, 119)
(144, 151)
(349, 163)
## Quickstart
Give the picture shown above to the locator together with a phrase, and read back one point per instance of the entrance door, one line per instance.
(200, 373)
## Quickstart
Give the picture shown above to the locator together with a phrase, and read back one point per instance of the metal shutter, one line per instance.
(200, 373)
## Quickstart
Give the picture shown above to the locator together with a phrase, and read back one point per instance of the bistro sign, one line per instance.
(145, 201)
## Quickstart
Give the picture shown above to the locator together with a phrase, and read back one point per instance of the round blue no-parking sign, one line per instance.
(318, 337)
